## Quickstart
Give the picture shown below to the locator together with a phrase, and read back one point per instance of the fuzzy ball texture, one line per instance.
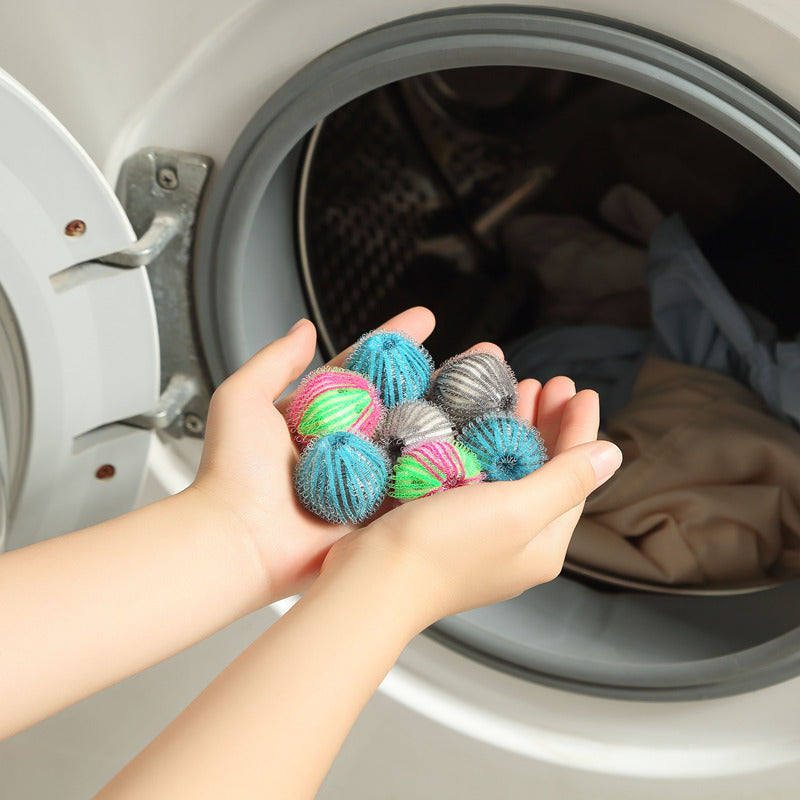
(399, 367)
(410, 424)
(342, 477)
(474, 384)
(433, 467)
(507, 447)
(332, 399)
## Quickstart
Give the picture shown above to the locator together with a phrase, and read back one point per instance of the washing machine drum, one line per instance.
(428, 208)
(384, 177)
(376, 178)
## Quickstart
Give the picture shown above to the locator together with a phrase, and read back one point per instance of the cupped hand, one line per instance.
(249, 456)
(480, 544)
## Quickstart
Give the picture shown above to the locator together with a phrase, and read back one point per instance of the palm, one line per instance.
(293, 541)
(248, 463)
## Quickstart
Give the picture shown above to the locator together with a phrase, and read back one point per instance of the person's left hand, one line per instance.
(249, 457)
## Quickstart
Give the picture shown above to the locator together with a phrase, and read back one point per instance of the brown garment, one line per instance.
(709, 488)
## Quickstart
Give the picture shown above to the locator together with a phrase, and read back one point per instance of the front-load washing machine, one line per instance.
(272, 161)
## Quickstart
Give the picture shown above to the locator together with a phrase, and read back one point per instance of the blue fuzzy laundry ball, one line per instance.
(507, 447)
(399, 367)
(341, 477)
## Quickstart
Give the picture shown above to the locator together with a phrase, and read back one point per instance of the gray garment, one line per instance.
(600, 357)
(695, 321)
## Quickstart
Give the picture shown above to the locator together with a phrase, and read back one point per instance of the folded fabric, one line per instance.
(708, 491)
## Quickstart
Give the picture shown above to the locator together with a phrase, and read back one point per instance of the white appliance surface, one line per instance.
(189, 75)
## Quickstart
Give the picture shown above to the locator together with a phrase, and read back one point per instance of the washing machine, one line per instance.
(179, 182)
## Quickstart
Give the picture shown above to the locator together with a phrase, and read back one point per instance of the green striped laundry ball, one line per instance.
(433, 467)
(331, 399)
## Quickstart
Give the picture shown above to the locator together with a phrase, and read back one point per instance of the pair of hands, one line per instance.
(459, 549)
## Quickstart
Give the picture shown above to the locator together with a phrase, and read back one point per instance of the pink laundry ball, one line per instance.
(330, 400)
(433, 467)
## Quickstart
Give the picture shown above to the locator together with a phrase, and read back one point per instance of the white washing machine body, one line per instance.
(191, 78)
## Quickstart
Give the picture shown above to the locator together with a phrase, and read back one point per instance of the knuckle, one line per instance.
(217, 400)
(579, 481)
(552, 571)
(222, 396)
(548, 567)
(224, 389)
(231, 387)
(515, 590)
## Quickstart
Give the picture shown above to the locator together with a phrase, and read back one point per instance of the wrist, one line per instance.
(223, 528)
(388, 575)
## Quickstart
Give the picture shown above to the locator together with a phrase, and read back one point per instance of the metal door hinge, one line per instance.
(161, 191)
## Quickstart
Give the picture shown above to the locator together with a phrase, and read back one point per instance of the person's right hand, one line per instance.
(484, 543)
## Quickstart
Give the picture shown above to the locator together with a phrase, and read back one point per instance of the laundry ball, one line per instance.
(399, 367)
(507, 447)
(331, 399)
(474, 384)
(342, 477)
(433, 467)
(409, 424)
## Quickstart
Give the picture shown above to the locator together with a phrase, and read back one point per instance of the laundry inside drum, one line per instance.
(528, 202)
(594, 231)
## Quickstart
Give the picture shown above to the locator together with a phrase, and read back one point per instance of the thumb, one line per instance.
(275, 366)
(568, 479)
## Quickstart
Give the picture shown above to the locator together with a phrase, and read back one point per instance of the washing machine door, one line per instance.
(78, 338)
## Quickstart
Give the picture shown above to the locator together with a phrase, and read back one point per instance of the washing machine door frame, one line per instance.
(82, 385)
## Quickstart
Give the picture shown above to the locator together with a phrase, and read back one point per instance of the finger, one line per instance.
(580, 424)
(525, 507)
(529, 391)
(275, 366)
(482, 347)
(556, 393)
(580, 421)
(487, 347)
(417, 322)
(563, 483)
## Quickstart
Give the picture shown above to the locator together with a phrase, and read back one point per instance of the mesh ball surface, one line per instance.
(399, 367)
(433, 467)
(341, 477)
(507, 447)
(330, 399)
(409, 424)
(474, 384)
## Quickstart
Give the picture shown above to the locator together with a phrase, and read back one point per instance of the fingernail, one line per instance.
(296, 326)
(606, 459)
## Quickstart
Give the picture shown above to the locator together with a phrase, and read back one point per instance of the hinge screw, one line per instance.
(167, 178)
(192, 423)
(75, 228)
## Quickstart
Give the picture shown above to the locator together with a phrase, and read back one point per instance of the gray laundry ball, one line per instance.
(475, 384)
(409, 424)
